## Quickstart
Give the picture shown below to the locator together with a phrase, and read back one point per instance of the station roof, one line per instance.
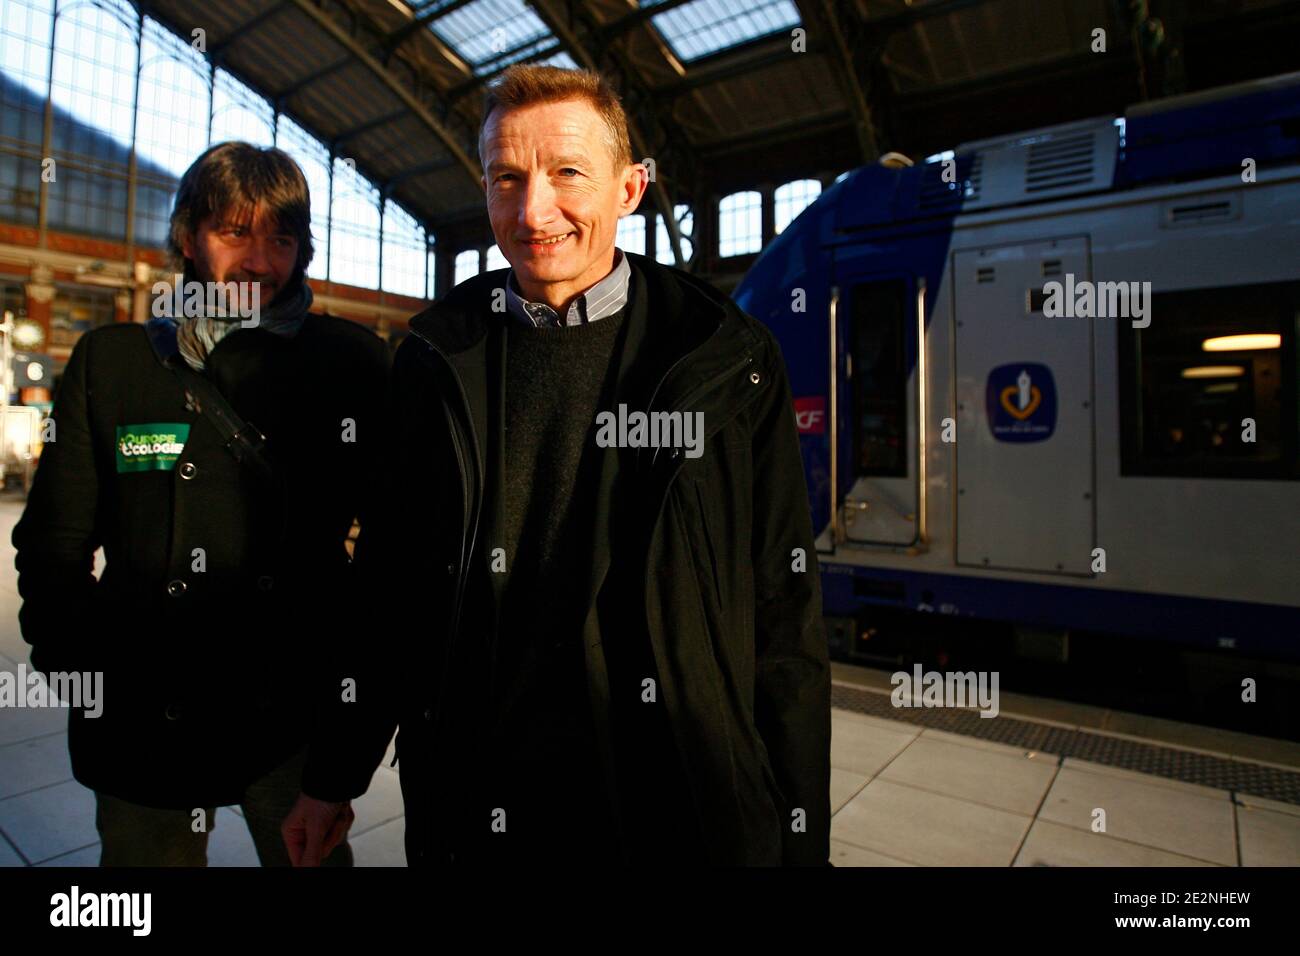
(745, 89)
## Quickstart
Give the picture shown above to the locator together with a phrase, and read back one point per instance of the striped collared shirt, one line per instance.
(604, 298)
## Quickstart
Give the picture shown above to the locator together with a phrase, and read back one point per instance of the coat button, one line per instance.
(188, 470)
(173, 712)
(265, 582)
(177, 588)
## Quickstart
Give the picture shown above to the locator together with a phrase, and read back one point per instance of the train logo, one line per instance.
(810, 415)
(1029, 397)
(1021, 402)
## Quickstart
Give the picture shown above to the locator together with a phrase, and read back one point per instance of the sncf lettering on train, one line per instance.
(810, 415)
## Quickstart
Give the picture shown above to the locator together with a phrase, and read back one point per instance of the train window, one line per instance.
(879, 374)
(1208, 389)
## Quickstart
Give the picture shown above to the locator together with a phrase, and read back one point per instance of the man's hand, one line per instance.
(313, 828)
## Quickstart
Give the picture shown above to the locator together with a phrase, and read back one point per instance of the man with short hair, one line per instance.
(218, 457)
(607, 636)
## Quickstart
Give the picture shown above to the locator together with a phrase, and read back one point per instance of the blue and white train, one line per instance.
(1051, 378)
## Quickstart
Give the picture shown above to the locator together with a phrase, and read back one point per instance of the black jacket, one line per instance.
(222, 595)
(708, 544)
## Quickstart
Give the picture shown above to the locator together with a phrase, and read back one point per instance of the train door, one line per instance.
(875, 410)
(1024, 393)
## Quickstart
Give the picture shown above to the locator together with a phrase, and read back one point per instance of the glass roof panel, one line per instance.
(701, 27)
(491, 33)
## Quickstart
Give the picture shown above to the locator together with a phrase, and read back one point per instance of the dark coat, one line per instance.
(207, 673)
(735, 634)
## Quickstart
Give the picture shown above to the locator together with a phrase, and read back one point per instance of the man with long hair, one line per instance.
(218, 456)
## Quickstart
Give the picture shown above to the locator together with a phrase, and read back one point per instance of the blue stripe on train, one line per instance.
(1212, 137)
(1266, 630)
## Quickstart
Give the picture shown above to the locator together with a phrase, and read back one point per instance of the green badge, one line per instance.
(153, 446)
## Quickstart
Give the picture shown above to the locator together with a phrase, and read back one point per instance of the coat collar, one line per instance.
(606, 297)
(710, 328)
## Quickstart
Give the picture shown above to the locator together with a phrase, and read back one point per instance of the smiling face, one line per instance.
(243, 248)
(555, 195)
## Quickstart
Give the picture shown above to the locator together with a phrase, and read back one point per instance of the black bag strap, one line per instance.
(245, 443)
(242, 440)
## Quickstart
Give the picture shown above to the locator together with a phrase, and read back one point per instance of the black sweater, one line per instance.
(542, 750)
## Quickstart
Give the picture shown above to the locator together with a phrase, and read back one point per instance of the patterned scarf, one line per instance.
(198, 335)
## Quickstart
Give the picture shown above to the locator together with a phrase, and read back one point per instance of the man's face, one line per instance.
(247, 248)
(555, 196)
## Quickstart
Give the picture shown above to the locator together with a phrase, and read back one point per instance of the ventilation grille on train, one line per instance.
(1059, 163)
(1200, 210)
(1052, 163)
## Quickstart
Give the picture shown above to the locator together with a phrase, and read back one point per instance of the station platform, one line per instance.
(944, 787)
(909, 786)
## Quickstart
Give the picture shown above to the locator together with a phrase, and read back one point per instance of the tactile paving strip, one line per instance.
(1271, 783)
